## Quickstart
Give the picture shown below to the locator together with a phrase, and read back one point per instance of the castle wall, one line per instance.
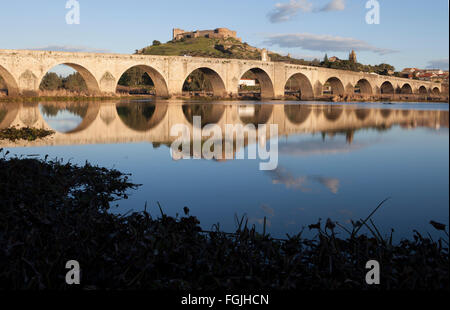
(219, 33)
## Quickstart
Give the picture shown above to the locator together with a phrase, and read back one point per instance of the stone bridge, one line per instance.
(105, 123)
(23, 70)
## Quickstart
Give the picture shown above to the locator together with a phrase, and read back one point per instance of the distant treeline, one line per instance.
(133, 78)
(73, 82)
(382, 69)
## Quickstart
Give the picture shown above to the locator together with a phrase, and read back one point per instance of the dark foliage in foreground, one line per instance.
(53, 212)
(24, 133)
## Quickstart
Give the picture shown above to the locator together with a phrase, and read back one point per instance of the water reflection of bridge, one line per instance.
(139, 122)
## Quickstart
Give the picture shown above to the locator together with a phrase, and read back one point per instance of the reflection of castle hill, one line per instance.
(127, 122)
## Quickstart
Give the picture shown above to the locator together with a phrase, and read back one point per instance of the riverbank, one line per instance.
(54, 211)
(206, 98)
(80, 98)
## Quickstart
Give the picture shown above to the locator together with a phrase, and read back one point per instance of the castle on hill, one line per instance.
(219, 33)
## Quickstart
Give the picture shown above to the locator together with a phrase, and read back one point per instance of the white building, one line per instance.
(247, 82)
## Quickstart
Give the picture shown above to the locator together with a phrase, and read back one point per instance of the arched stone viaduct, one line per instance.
(23, 70)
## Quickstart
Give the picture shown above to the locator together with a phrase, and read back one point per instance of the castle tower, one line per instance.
(265, 55)
(352, 56)
(176, 32)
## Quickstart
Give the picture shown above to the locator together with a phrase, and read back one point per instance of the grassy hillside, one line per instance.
(204, 47)
(209, 47)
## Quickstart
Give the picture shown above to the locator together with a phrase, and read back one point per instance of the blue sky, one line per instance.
(411, 33)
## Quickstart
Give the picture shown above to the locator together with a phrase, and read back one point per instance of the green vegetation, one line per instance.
(204, 47)
(25, 133)
(137, 81)
(73, 82)
(53, 212)
(382, 69)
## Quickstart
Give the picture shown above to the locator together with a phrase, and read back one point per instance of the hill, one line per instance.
(213, 48)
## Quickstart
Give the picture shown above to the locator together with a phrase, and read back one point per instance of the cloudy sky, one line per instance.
(411, 33)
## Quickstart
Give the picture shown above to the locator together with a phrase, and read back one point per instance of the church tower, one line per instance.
(352, 56)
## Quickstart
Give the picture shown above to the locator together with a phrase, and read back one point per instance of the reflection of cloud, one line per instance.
(268, 210)
(330, 183)
(282, 176)
(314, 147)
(283, 12)
(322, 43)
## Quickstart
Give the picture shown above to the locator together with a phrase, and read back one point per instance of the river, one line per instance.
(335, 161)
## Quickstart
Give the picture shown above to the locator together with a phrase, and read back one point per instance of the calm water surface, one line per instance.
(335, 160)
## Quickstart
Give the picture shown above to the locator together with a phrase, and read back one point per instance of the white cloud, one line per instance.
(284, 12)
(334, 5)
(438, 64)
(322, 43)
(69, 48)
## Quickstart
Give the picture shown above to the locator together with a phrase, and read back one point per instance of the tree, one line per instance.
(74, 82)
(135, 77)
(156, 43)
(51, 81)
(325, 59)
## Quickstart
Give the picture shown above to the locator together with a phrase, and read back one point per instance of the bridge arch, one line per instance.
(211, 76)
(298, 113)
(332, 113)
(299, 82)
(255, 114)
(422, 90)
(362, 114)
(141, 116)
(8, 113)
(90, 80)
(160, 83)
(385, 113)
(87, 112)
(336, 86)
(406, 89)
(209, 113)
(364, 86)
(10, 81)
(265, 82)
(387, 88)
(436, 91)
